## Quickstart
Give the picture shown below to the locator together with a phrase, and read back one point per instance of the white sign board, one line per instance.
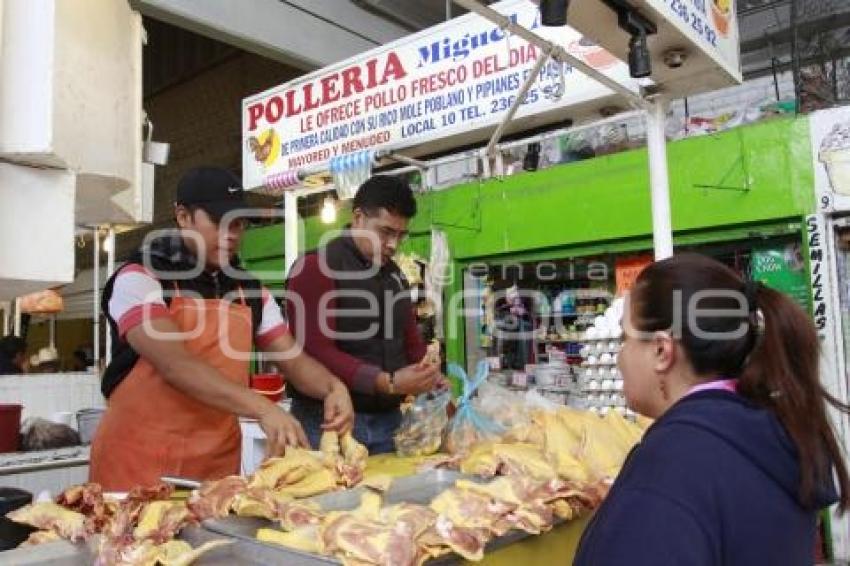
(705, 32)
(710, 25)
(447, 82)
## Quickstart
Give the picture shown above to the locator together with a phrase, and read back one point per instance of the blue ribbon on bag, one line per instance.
(465, 410)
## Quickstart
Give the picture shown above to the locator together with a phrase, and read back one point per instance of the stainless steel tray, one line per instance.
(64, 553)
(419, 488)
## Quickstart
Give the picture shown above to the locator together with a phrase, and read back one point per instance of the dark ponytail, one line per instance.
(776, 359)
(782, 374)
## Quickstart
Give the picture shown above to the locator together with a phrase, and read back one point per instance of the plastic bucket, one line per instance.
(87, 421)
(10, 427)
(268, 384)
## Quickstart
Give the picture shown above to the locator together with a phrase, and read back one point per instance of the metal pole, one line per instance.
(558, 52)
(662, 226)
(7, 317)
(290, 229)
(96, 301)
(110, 269)
(52, 329)
(795, 56)
(530, 80)
(17, 328)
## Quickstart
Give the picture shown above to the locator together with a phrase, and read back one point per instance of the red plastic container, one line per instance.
(268, 384)
(10, 427)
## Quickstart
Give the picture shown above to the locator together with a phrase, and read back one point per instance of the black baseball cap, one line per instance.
(215, 190)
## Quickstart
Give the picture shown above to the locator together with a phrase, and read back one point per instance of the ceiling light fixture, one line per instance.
(328, 214)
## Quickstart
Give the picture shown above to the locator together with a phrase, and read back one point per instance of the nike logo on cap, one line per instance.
(232, 190)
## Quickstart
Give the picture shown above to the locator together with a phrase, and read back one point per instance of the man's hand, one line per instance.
(339, 412)
(281, 430)
(415, 379)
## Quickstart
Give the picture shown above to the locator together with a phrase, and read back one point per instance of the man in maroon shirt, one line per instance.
(349, 304)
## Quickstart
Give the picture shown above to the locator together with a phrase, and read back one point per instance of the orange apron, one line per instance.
(151, 429)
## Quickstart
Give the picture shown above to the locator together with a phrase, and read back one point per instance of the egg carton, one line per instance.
(603, 386)
(599, 372)
(596, 399)
(599, 348)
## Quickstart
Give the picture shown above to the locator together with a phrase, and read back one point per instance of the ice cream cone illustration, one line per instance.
(835, 155)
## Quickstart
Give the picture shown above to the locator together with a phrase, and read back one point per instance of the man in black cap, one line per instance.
(184, 317)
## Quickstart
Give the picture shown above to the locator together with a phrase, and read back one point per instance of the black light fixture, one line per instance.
(640, 62)
(553, 13)
(532, 157)
(638, 27)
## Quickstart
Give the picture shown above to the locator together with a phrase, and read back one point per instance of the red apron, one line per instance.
(151, 429)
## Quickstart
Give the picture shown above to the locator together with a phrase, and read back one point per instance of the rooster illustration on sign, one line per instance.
(265, 147)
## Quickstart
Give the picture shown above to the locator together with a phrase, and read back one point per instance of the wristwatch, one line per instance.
(391, 383)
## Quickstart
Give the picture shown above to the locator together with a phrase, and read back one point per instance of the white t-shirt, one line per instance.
(137, 296)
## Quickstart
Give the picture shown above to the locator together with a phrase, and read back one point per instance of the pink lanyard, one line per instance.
(721, 384)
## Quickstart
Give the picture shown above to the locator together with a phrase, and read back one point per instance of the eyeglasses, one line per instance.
(386, 233)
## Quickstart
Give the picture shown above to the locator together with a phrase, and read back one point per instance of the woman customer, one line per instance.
(742, 455)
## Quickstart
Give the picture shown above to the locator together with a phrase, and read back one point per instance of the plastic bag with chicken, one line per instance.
(423, 425)
(469, 426)
(507, 408)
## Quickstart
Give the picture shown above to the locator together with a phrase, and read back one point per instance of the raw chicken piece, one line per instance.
(316, 483)
(468, 542)
(160, 521)
(215, 498)
(305, 539)
(89, 500)
(41, 537)
(295, 466)
(49, 516)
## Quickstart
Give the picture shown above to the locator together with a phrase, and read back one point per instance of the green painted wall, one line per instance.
(606, 199)
(603, 204)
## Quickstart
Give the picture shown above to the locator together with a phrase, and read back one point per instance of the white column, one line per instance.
(17, 329)
(7, 307)
(290, 229)
(110, 269)
(96, 299)
(662, 226)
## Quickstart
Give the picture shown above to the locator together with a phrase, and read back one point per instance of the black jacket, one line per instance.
(170, 255)
(385, 293)
(714, 482)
